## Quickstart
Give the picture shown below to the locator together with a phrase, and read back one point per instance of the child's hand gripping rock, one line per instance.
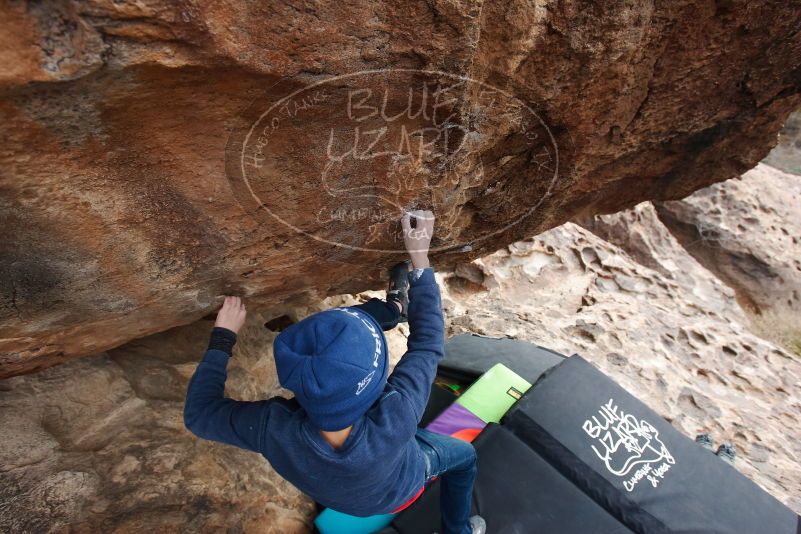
(418, 238)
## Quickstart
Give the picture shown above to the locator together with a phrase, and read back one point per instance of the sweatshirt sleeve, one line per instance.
(415, 372)
(208, 414)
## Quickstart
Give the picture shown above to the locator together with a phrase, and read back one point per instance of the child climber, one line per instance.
(349, 438)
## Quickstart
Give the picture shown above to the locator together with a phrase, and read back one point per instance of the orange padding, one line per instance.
(408, 503)
(467, 434)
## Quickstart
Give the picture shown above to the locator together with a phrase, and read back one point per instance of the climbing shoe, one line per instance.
(705, 441)
(727, 453)
(478, 524)
(398, 290)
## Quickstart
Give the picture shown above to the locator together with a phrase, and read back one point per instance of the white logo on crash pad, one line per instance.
(629, 447)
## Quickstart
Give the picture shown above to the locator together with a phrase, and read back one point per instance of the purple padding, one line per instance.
(456, 417)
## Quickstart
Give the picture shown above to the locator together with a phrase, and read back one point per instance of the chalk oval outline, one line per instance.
(460, 77)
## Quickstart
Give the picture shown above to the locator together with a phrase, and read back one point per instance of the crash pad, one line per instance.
(643, 471)
(438, 400)
(468, 356)
(493, 393)
(332, 522)
(457, 421)
(516, 491)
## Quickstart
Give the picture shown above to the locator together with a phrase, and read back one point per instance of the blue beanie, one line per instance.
(335, 362)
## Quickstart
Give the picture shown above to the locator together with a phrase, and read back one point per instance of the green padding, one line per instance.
(494, 393)
(332, 522)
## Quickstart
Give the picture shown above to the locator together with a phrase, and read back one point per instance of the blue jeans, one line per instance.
(454, 462)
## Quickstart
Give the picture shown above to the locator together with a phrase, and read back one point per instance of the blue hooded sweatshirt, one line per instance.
(380, 466)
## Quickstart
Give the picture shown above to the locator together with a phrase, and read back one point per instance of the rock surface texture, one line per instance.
(748, 232)
(786, 155)
(124, 214)
(99, 444)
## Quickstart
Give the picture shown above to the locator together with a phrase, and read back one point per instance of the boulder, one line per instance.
(158, 155)
(786, 155)
(748, 232)
(99, 445)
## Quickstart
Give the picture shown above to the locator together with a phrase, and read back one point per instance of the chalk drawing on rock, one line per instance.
(382, 142)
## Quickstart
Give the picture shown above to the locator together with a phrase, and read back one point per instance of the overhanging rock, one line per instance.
(128, 205)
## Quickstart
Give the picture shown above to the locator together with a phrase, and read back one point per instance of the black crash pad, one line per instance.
(634, 463)
(438, 400)
(516, 491)
(468, 356)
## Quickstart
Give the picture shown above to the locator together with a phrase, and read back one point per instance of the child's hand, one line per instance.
(231, 315)
(418, 239)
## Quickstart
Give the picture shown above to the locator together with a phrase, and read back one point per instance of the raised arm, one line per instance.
(207, 413)
(415, 372)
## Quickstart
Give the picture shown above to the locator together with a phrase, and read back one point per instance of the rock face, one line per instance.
(786, 155)
(99, 444)
(748, 232)
(124, 214)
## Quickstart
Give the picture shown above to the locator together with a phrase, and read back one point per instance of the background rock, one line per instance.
(748, 232)
(119, 220)
(640, 233)
(786, 155)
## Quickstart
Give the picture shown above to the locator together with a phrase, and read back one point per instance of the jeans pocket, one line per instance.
(434, 464)
(431, 460)
(428, 465)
